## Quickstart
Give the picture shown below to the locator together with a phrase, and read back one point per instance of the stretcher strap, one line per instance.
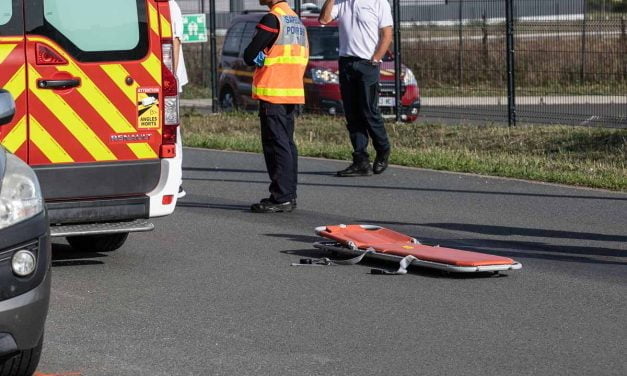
(325, 261)
(402, 268)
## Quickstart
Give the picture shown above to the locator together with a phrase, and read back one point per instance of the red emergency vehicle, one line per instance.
(96, 112)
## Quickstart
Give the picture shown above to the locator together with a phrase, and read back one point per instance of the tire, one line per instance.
(98, 243)
(23, 363)
(228, 101)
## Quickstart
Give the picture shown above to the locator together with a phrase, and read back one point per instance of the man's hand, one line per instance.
(259, 60)
(176, 48)
(385, 39)
(325, 13)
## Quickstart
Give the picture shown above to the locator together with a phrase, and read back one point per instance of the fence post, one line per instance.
(397, 60)
(460, 60)
(582, 73)
(484, 39)
(511, 79)
(203, 51)
(214, 55)
(623, 38)
(297, 7)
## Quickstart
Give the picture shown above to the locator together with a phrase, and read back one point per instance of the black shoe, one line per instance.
(356, 169)
(269, 200)
(381, 162)
(268, 205)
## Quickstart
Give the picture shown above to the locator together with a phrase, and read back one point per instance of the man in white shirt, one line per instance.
(176, 18)
(365, 28)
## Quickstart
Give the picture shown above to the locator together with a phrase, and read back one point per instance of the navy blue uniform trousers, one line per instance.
(359, 85)
(279, 150)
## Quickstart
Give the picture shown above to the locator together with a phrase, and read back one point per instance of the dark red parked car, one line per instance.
(322, 87)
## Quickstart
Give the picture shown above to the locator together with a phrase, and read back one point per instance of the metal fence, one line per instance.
(478, 61)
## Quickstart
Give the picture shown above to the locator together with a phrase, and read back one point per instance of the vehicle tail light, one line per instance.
(167, 199)
(167, 50)
(170, 108)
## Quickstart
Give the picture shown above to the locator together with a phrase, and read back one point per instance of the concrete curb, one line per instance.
(479, 101)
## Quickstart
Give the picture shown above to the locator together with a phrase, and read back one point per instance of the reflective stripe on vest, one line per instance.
(279, 92)
(280, 80)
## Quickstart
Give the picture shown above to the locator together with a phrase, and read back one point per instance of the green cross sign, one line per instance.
(194, 28)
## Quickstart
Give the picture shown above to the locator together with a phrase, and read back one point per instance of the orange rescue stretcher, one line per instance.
(385, 244)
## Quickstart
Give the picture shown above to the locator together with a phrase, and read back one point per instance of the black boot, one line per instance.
(269, 200)
(268, 205)
(381, 162)
(356, 169)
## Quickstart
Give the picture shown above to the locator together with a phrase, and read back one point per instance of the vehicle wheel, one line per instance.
(98, 243)
(23, 363)
(228, 103)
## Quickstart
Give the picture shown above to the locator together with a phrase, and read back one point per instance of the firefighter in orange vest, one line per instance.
(280, 50)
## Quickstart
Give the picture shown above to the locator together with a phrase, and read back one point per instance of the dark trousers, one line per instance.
(279, 150)
(359, 84)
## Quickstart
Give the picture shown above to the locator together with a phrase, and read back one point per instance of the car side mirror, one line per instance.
(7, 107)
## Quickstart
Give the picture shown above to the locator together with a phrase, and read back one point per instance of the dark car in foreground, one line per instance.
(24, 260)
(322, 85)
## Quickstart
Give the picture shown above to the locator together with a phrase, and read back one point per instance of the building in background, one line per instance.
(420, 11)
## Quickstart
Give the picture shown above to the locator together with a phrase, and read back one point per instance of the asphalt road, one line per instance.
(608, 115)
(211, 290)
(592, 115)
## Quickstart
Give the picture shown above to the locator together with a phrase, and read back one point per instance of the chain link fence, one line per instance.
(549, 62)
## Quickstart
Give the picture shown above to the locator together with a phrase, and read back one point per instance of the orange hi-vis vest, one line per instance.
(280, 80)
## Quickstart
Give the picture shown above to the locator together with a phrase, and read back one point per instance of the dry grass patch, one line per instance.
(561, 154)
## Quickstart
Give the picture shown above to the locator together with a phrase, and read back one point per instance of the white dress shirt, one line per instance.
(359, 23)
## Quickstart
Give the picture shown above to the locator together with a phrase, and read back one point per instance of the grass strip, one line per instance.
(580, 156)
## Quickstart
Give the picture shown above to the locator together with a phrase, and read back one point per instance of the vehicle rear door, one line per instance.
(13, 75)
(94, 81)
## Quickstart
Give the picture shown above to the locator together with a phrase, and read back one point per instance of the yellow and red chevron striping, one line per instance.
(66, 139)
(77, 125)
(89, 112)
(111, 80)
(13, 78)
(40, 138)
(165, 25)
(98, 126)
(36, 154)
(14, 135)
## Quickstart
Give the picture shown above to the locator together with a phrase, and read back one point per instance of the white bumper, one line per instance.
(169, 183)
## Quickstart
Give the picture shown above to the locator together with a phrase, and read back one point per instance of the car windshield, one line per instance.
(324, 43)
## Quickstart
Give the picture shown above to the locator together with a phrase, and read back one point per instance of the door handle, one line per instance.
(58, 84)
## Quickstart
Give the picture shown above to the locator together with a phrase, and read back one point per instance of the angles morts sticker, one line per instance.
(148, 111)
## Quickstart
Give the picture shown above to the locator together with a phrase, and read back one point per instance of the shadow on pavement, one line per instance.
(370, 263)
(508, 231)
(416, 189)
(297, 238)
(521, 248)
(206, 205)
(264, 172)
(64, 255)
